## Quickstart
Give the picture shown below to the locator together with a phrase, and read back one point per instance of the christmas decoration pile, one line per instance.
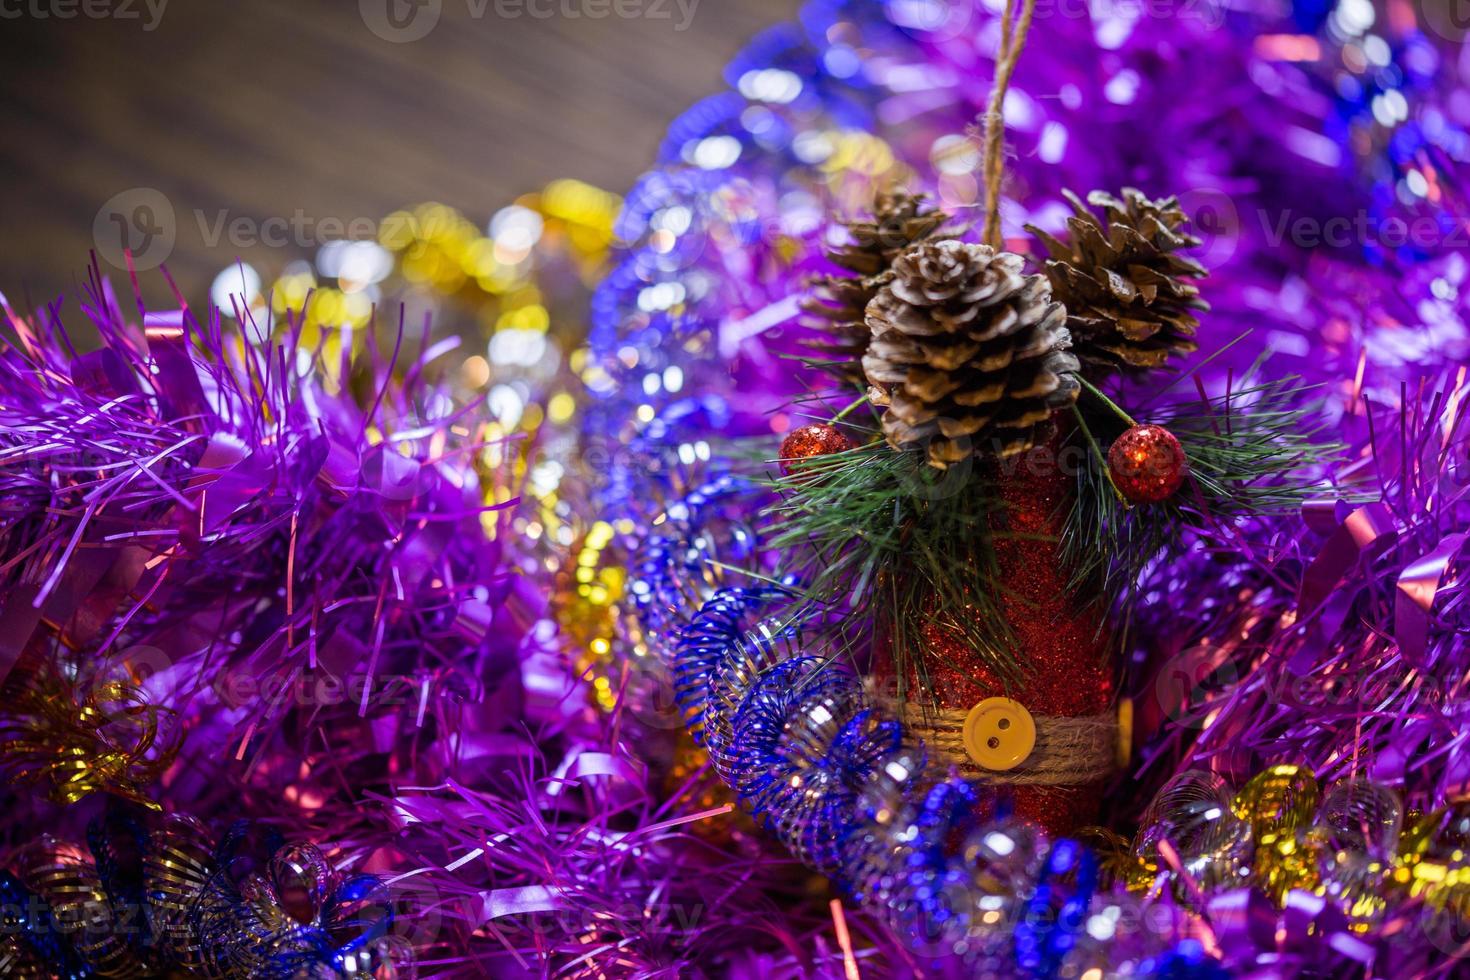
(865, 619)
(1065, 586)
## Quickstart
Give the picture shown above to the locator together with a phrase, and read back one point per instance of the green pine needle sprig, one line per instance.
(883, 538)
(885, 541)
(1257, 450)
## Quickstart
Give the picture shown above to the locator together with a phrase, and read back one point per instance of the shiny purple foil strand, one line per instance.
(1396, 322)
(205, 511)
(1352, 653)
(585, 872)
(282, 553)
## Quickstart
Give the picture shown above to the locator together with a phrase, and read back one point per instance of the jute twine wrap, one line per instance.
(1068, 752)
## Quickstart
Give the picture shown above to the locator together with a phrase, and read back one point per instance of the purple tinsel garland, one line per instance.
(191, 508)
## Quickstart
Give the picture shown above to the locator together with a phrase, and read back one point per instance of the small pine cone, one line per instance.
(969, 353)
(838, 303)
(1130, 302)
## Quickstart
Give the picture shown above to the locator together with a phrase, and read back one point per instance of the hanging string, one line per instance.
(1012, 40)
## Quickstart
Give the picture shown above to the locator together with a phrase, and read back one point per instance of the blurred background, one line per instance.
(201, 133)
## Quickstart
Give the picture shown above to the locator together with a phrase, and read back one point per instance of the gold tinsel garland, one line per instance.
(1353, 843)
(71, 740)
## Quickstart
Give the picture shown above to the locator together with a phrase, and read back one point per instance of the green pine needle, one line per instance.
(1252, 452)
(882, 537)
(885, 541)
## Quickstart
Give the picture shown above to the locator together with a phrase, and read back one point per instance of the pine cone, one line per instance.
(838, 303)
(1130, 304)
(969, 354)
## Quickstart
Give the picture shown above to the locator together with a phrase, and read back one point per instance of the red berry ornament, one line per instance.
(810, 441)
(1147, 464)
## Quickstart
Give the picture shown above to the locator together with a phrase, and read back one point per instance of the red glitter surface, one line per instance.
(808, 441)
(1147, 464)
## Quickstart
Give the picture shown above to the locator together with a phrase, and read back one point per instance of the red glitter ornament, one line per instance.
(1147, 464)
(809, 441)
(1062, 642)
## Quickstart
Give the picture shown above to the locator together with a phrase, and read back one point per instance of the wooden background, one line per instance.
(280, 108)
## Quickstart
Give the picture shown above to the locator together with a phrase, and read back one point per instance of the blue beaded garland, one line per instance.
(1057, 908)
(781, 768)
(767, 644)
(678, 567)
(702, 644)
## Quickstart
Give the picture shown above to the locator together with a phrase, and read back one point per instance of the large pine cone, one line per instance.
(969, 354)
(1130, 304)
(838, 303)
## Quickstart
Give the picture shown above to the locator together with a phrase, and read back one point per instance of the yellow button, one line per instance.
(999, 734)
